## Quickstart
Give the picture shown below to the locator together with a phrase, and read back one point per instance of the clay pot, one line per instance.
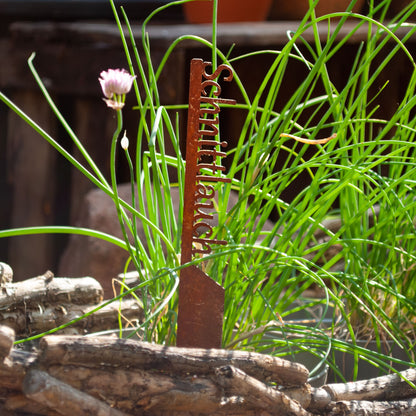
(296, 9)
(228, 11)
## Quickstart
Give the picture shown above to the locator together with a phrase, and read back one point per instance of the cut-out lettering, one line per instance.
(203, 157)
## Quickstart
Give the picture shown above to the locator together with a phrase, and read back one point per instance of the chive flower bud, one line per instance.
(124, 141)
(115, 83)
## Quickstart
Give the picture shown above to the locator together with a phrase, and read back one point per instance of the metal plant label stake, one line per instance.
(201, 299)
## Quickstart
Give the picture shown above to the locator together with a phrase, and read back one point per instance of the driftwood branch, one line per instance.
(74, 350)
(13, 369)
(389, 387)
(303, 394)
(7, 337)
(40, 304)
(44, 318)
(155, 391)
(368, 408)
(47, 289)
(320, 400)
(257, 393)
(137, 391)
(18, 404)
(103, 375)
(64, 399)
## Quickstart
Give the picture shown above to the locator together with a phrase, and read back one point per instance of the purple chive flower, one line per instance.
(115, 83)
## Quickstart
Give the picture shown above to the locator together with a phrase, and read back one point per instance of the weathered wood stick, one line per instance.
(40, 319)
(47, 289)
(320, 400)
(13, 369)
(6, 273)
(251, 412)
(302, 394)
(389, 387)
(103, 319)
(124, 352)
(64, 399)
(106, 317)
(7, 337)
(137, 390)
(7, 412)
(367, 408)
(19, 404)
(233, 380)
(197, 395)
(154, 391)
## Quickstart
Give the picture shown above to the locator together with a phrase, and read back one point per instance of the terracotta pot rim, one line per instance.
(296, 9)
(228, 11)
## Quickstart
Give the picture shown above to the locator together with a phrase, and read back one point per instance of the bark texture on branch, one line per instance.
(257, 393)
(40, 304)
(122, 352)
(136, 390)
(151, 391)
(320, 400)
(64, 399)
(102, 375)
(7, 337)
(389, 387)
(81, 375)
(377, 408)
(46, 317)
(13, 369)
(17, 404)
(47, 289)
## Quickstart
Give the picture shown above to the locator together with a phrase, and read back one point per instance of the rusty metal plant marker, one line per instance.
(201, 299)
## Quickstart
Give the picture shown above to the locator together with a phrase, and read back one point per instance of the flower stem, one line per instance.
(120, 213)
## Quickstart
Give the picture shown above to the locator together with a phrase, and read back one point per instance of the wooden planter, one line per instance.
(228, 11)
(296, 9)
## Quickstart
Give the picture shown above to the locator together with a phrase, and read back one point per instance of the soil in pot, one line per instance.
(228, 11)
(296, 9)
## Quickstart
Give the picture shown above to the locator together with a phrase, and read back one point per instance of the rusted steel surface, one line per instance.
(201, 299)
(201, 308)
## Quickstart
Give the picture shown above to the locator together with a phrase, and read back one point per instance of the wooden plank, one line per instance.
(93, 125)
(5, 208)
(31, 166)
(248, 34)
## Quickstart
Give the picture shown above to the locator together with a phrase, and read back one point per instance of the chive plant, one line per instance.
(364, 178)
